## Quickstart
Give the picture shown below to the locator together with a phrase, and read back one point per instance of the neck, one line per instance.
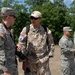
(36, 26)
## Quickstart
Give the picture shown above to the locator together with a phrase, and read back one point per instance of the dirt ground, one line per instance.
(55, 65)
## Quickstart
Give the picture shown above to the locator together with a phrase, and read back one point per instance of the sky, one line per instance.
(67, 2)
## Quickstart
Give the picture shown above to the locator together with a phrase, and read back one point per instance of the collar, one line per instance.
(35, 29)
(7, 29)
(5, 25)
(66, 37)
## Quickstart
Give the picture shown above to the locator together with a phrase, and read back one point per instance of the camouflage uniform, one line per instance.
(67, 56)
(7, 52)
(37, 49)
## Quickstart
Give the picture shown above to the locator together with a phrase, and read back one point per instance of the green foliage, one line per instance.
(22, 18)
(72, 15)
(54, 15)
(21, 21)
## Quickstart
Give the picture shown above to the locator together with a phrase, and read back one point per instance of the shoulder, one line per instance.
(26, 28)
(2, 29)
(49, 31)
(1, 25)
(63, 40)
(23, 30)
(23, 33)
(2, 32)
(46, 29)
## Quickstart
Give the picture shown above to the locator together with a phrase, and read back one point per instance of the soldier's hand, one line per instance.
(7, 73)
(43, 60)
(73, 50)
(19, 47)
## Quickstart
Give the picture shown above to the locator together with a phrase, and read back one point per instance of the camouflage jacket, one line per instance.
(7, 50)
(35, 43)
(66, 45)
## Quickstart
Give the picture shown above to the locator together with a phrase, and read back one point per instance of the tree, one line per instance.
(72, 15)
(22, 18)
(53, 15)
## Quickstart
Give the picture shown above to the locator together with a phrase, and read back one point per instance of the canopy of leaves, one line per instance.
(54, 15)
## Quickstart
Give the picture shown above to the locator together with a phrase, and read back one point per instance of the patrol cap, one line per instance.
(7, 11)
(67, 29)
(36, 14)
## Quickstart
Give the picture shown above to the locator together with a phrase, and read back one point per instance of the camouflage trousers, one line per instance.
(68, 67)
(39, 69)
(13, 71)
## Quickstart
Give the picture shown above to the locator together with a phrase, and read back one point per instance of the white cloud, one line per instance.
(68, 0)
(72, 0)
(64, 0)
(52, 1)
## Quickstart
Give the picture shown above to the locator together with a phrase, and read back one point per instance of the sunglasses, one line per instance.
(33, 18)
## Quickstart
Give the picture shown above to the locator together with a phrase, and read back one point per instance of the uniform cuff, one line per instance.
(72, 50)
(5, 69)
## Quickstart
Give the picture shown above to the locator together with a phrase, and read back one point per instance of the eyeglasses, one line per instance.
(33, 18)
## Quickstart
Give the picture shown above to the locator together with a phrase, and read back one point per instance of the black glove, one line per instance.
(28, 70)
(20, 54)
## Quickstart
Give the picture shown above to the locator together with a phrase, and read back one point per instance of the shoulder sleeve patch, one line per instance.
(22, 34)
(21, 38)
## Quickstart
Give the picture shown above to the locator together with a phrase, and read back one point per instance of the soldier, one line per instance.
(37, 42)
(67, 52)
(8, 64)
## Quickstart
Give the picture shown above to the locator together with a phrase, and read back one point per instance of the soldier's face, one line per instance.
(68, 33)
(35, 21)
(12, 20)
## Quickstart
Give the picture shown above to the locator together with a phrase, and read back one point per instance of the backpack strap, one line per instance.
(47, 39)
(27, 30)
(45, 28)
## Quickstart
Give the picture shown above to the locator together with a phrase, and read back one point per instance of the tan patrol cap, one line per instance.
(7, 11)
(36, 14)
(67, 29)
